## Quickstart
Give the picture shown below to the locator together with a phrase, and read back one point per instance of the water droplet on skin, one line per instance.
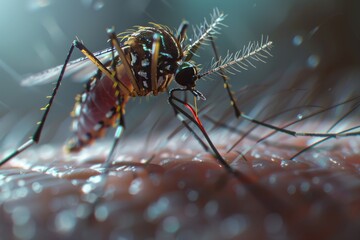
(258, 165)
(65, 221)
(20, 192)
(211, 208)
(82, 211)
(193, 195)
(136, 186)
(181, 184)
(272, 179)
(171, 224)
(191, 210)
(284, 163)
(273, 223)
(5, 195)
(305, 186)
(157, 209)
(21, 183)
(255, 154)
(20, 215)
(87, 188)
(155, 179)
(233, 226)
(313, 61)
(316, 180)
(90, 197)
(334, 161)
(25, 232)
(327, 187)
(291, 189)
(95, 179)
(36, 187)
(297, 40)
(101, 213)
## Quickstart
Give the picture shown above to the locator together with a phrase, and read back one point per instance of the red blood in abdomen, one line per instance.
(94, 109)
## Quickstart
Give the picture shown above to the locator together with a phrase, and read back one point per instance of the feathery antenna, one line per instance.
(203, 32)
(242, 59)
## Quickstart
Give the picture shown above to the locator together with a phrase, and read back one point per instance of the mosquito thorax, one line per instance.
(186, 74)
(140, 53)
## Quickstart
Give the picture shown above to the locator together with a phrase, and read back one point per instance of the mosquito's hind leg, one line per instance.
(239, 114)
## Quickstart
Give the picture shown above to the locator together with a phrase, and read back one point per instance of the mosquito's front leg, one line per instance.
(178, 110)
(154, 62)
(124, 61)
(36, 136)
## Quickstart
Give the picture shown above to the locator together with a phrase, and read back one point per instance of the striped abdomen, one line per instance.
(95, 110)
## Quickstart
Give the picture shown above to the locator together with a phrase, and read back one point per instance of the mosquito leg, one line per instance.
(295, 133)
(181, 36)
(187, 126)
(99, 189)
(154, 62)
(36, 137)
(225, 79)
(272, 201)
(120, 110)
(239, 114)
(100, 66)
(177, 130)
(124, 61)
(181, 33)
(172, 99)
(327, 138)
(118, 133)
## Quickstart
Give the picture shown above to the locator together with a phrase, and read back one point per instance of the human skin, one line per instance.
(183, 192)
(181, 195)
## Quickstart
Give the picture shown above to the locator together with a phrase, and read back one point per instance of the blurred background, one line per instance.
(315, 64)
(320, 36)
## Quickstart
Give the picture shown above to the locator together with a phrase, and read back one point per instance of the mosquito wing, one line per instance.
(80, 69)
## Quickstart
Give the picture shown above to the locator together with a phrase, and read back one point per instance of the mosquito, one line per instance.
(143, 62)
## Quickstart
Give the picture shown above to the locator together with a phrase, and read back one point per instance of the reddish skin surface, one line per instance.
(184, 193)
(176, 196)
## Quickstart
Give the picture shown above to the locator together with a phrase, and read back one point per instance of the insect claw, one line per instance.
(198, 94)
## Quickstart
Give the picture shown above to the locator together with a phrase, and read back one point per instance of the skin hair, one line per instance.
(183, 192)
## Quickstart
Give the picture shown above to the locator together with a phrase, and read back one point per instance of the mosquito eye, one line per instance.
(185, 75)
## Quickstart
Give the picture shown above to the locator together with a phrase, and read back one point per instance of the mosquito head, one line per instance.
(186, 74)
